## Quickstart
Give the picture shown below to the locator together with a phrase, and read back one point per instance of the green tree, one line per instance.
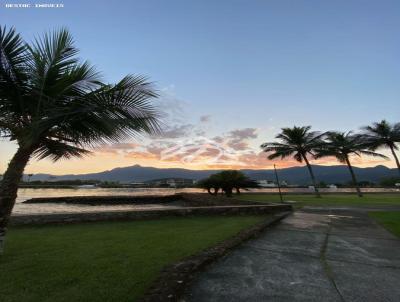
(212, 184)
(383, 135)
(227, 181)
(55, 106)
(389, 181)
(296, 142)
(342, 145)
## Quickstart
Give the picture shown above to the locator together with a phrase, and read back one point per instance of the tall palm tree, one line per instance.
(383, 135)
(342, 145)
(55, 106)
(298, 142)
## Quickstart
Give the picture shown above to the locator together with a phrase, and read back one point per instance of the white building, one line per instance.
(266, 183)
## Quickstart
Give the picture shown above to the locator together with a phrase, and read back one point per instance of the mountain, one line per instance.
(294, 175)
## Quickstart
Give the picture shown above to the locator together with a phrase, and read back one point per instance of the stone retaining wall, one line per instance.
(146, 214)
(108, 200)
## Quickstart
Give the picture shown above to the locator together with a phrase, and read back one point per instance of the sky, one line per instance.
(231, 73)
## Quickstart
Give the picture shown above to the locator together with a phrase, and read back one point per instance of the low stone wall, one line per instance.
(147, 214)
(108, 200)
(185, 199)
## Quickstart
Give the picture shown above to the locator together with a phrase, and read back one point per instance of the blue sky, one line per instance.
(247, 64)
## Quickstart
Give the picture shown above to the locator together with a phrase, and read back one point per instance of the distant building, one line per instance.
(332, 187)
(138, 184)
(264, 183)
(172, 182)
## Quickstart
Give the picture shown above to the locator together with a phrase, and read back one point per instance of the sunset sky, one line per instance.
(231, 73)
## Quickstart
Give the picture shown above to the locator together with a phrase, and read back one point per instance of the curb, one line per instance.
(173, 279)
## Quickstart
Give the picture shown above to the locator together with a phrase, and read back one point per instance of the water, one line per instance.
(52, 208)
(49, 208)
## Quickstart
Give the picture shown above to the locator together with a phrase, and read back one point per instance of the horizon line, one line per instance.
(211, 169)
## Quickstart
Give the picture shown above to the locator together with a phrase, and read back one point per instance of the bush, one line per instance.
(389, 181)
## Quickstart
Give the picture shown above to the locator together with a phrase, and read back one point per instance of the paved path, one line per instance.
(313, 255)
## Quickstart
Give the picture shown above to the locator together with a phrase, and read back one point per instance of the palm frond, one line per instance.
(343, 144)
(64, 105)
(373, 154)
(296, 141)
(382, 134)
(13, 56)
(56, 150)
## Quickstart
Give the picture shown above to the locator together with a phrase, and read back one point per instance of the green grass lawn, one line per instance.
(390, 220)
(108, 261)
(329, 199)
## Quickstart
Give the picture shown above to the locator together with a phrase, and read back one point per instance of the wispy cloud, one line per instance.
(205, 118)
(191, 145)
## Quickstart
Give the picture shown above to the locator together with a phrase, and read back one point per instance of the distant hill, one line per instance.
(294, 175)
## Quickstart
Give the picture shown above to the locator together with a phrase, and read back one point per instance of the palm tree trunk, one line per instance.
(395, 158)
(312, 176)
(9, 188)
(353, 176)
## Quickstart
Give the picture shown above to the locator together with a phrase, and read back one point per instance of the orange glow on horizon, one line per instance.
(102, 162)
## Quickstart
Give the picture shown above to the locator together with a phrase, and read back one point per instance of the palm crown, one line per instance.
(296, 142)
(58, 106)
(382, 134)
(343, 144)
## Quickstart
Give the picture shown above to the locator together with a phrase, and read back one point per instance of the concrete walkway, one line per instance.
(313, 255)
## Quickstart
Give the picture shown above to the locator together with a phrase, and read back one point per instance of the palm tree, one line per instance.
(342, 145)
(384, 135)
(55, 106)
(298, 142)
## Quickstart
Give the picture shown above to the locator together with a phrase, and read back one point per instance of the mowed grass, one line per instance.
(372, 199)
(390, 220)
(108, 261)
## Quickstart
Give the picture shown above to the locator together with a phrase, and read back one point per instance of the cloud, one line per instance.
(205, 118)
(238, 145)
(218, 139)
(239, 139)
(256, 160)
(176, 131)
(116, 148)
(141, 155)
(199, 132)
(363, 160)
(172, 108)
(244, 133)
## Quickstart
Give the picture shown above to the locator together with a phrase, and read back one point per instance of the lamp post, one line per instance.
(277, 181)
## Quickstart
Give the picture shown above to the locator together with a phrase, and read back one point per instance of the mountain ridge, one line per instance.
(293, 175)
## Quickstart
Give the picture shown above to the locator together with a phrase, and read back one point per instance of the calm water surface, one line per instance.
(24, 194)
(51, 208)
